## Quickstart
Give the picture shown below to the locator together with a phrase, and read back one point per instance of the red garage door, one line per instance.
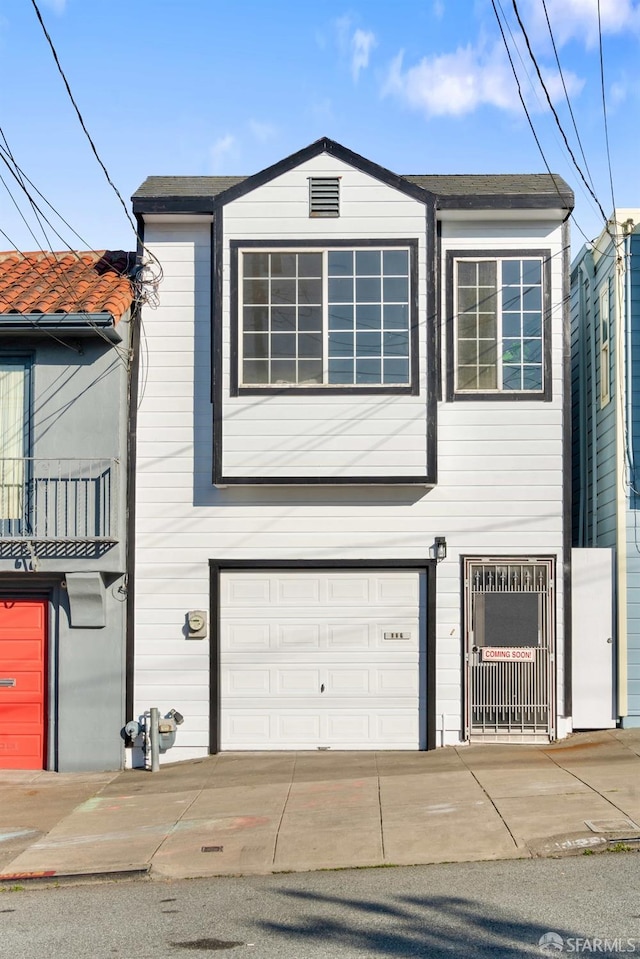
(22, 683)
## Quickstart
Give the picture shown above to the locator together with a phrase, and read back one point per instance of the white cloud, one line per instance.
(58, 6)
(362, 43)
(438, 9)
(356, 44)
(343, 29)
(221, 148)
(553, 83)
(452, 84)
(578, 19)
(262, 131)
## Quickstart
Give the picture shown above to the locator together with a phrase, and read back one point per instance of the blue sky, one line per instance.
(217, 87)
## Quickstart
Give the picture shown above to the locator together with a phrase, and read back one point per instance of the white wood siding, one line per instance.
(328, 436)
(499, 488)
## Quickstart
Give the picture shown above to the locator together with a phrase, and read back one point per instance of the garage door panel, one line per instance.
(247, 591)
(348, 681)
(397, 590)
(332, 660)
(245, 635)
(343, 591)
(247, 682)
(294, 681)
(297, 726)
(294, 590)
(303, 635)
(243, 729)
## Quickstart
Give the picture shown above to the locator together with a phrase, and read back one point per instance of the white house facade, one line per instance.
(352, 525)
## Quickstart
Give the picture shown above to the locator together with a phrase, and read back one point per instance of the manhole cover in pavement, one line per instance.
(612, 825)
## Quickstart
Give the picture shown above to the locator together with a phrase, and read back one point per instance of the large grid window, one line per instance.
(499, 328)
(336, 317)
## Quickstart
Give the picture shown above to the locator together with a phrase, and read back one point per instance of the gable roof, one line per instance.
(66, 283)
(203, 194)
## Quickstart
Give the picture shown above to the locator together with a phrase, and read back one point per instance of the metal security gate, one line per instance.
(509, 614)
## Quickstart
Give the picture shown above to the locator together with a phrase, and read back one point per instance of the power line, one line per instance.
(604, 106)
(553, 110)
(150, 293)
(59, 269)
(80, 117)
(566, 92)
(524, 106)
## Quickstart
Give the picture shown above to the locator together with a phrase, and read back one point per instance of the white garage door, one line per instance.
(313, 659)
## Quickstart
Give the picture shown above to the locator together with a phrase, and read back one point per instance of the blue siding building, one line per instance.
(605, 355)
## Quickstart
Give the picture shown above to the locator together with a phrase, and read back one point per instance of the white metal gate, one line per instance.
(509, 615)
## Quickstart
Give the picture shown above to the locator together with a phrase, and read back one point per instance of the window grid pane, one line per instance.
(335, 317)
(499, 338)
(477, 329)
(282, 318)
(368, 304)
(522, 319)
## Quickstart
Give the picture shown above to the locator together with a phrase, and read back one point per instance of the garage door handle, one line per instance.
(321, 687)
(7, 682)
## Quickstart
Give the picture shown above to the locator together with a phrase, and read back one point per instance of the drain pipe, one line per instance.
(154, 738)
(624, 471)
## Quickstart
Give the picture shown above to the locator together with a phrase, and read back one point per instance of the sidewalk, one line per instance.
(241, 813)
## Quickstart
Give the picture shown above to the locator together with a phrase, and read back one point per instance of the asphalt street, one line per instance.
(591, 904)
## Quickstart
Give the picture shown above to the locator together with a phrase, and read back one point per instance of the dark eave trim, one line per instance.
(506, 201)
(209, 204)
(173, 204)
(79, 324)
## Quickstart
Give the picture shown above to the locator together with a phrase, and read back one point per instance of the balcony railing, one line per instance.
(58, 500)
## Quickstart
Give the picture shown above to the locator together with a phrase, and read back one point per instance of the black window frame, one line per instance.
(411, 388)
(501, 396)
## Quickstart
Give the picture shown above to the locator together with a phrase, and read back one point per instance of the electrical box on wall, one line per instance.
(197, 624)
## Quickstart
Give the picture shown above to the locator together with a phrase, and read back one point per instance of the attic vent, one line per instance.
(324, 196)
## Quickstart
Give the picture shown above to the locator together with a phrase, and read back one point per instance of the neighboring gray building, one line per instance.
(605, 330)
(65, 326)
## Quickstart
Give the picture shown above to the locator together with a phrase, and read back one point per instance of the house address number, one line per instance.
(397, 635)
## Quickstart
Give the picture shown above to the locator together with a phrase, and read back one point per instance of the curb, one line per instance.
(49, 876)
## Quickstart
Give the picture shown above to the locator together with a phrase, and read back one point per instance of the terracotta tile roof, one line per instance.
(82, 282)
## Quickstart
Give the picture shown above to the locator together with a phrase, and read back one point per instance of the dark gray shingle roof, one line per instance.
(445, 185)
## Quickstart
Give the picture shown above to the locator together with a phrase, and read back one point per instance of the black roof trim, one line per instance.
(173, 204)
(507, 201)
(176, 202)
(205, 194)
(325, 145)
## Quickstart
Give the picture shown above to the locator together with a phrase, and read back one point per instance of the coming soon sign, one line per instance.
(508, 654)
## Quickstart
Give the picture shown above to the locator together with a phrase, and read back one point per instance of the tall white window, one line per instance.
(13, 433)
(605, 358)
(499, 341)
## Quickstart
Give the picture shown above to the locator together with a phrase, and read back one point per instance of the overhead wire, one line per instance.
(566, 92)
(524, 105)
(604, 106)
(554, 111)
(155, 281)
(19, 176)
(59, 269)
(589, 240)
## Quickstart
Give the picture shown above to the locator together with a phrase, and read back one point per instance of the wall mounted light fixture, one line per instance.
(440, 548)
